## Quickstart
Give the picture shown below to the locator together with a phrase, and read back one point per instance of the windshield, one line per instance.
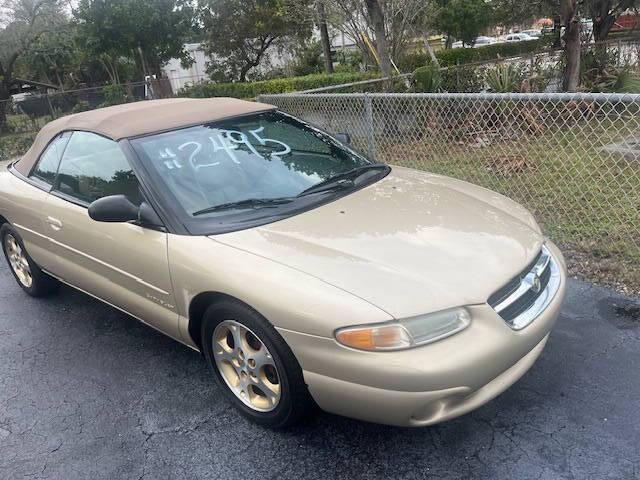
(246, 161)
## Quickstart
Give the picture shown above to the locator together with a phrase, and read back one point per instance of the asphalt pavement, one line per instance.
(88, 392)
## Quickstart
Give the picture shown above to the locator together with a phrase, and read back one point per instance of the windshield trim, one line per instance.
(182, 224)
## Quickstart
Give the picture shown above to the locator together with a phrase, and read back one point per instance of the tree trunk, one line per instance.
(602, 27)
(324, 38)
(245, 70)
(429, 49)
(569, 12)
(557, 31)
(376, 16)
(5, 96)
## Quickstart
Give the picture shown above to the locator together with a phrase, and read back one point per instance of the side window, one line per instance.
(47, 165)
(94, 167)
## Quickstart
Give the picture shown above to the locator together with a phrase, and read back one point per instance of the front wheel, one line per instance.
(28, 275)
(254, 366)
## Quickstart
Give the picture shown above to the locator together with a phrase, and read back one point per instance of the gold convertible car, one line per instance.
(306, 274)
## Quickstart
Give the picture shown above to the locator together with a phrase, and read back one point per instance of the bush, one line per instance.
(463, 79)
(113, 95)
(413, 60)
(15, 145)
(279, 85)
(427, 79)
(81, 106)
(504, 78)
(490, 52)
(458, 56)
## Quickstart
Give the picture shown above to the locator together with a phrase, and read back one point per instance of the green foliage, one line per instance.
(615, 80)
(626, 81)
(349, 61)
(309, 59)
(504, 78)
(489, 52)
(153, 29)
(113, 95)
(427, 79)
(52, 58)
(15, 145)
(81, 106)
(240, 32)
(280, 85)
(604, 70)
(463, 19)
(411, 61)
(458, 56)
(463, 79)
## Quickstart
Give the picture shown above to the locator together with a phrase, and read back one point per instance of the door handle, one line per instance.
(54, 223)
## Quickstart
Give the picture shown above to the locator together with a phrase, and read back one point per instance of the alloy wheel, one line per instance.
(18, 260)
(247, 366)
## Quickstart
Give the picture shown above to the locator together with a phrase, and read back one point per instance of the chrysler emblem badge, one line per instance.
(536, 285)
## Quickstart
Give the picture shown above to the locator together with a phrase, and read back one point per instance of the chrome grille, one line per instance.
(521, 300)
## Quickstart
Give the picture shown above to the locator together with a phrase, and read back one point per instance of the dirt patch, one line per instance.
(623, 275)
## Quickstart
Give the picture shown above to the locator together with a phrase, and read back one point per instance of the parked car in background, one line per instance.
(533, 33)
(478, 42)
(518, 37)
(304, 273)
(483, 41)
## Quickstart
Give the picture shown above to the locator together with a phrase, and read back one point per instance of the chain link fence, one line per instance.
(572, 159)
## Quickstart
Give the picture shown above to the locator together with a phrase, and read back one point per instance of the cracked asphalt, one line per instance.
(88, 392)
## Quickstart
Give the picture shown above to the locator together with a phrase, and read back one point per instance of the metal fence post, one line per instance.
(51, 109)
(369, 126)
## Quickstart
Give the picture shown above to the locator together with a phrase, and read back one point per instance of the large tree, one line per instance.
(463, 19)
(23, 22)
(53, 58)
(239, 33)
(149, 32)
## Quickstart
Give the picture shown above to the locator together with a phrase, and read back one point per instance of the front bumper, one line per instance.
(429, 384)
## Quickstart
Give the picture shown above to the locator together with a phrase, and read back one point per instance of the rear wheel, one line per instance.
(254, 365)
(28, 275)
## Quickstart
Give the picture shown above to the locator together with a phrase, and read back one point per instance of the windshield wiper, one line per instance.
(342, 180)
(248, 203)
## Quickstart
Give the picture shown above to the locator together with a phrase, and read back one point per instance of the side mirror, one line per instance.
(118, 209)
(343, 138)
(115, 209)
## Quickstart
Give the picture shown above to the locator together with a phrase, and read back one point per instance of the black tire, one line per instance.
(41, 283)
(295, 401)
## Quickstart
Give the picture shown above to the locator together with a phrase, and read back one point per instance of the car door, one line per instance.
(124, 264)
(28, 197)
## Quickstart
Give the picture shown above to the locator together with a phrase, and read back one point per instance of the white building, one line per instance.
(179, 76)
(276, 57)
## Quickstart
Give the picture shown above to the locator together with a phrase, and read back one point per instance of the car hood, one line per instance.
(410, 244)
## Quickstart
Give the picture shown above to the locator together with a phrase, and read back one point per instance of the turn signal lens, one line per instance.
(382, 337)
(406, 333)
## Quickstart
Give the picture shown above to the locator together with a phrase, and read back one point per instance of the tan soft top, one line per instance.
(140, 118)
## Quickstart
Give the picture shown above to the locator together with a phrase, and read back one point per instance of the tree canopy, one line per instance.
(238, 33)
(463, 19)
(149, 32)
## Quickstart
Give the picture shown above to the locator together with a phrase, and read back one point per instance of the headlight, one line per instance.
(406, 333)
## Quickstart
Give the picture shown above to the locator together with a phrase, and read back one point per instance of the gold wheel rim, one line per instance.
(18, 260)
(247, 366)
